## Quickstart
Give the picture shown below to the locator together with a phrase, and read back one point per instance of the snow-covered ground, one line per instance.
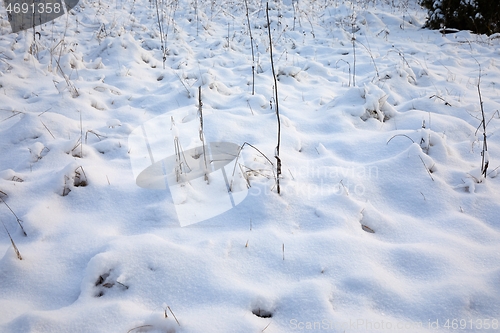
(383, 223)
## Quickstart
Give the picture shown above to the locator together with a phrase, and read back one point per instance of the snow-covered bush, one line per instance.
(480, 16)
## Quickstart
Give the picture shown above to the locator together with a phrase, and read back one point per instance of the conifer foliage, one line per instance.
(479, 16)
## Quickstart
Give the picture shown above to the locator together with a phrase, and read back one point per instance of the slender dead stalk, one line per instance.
(426, 169)
(371, 56)
(47, 129)
(400, 135)
(179, 155)
(251, 45)
(173, 315)
(160, 27)
(484, 159)
(202, 135)
(19, 221)
(441, 98)
(336, 64)
(277, 152)
(81, 136)
(13, 244)
(353, 40)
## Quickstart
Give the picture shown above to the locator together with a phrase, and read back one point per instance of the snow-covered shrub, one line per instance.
(480, 16)
(376, 105)
(365, 102)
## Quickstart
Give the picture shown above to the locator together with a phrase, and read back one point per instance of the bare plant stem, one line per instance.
(354, 62)
(171, 17)
(173, 315)
(400, 135)
(310, 23)
(74, 92)
(349, 69)
(373, 60)
(19, 221)
(81, 136)
(251, 45)
(425, 166)
(441, 98)
(196, 14)
(277, 152)
(353, 39)
(484, 161)
(160, 27)
(202, 135)
(47, 129)
(185, 87)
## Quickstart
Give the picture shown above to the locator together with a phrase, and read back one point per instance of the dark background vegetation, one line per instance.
(479, 16)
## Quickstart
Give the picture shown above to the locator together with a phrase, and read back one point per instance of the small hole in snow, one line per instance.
(262, 313)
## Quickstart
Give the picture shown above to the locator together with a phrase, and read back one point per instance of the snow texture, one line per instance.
(385, 221)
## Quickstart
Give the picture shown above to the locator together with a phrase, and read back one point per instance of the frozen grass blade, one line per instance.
(425, 166)
(48, 129)
(169, 309)
(19, 221)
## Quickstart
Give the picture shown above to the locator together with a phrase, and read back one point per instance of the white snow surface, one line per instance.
(384, 222)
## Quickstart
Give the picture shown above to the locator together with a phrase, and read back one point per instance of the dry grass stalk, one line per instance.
(13, 244)
(19, 221)
(169, 309)
(251, 45)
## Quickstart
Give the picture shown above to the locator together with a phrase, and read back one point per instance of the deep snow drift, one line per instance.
(384, 222)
